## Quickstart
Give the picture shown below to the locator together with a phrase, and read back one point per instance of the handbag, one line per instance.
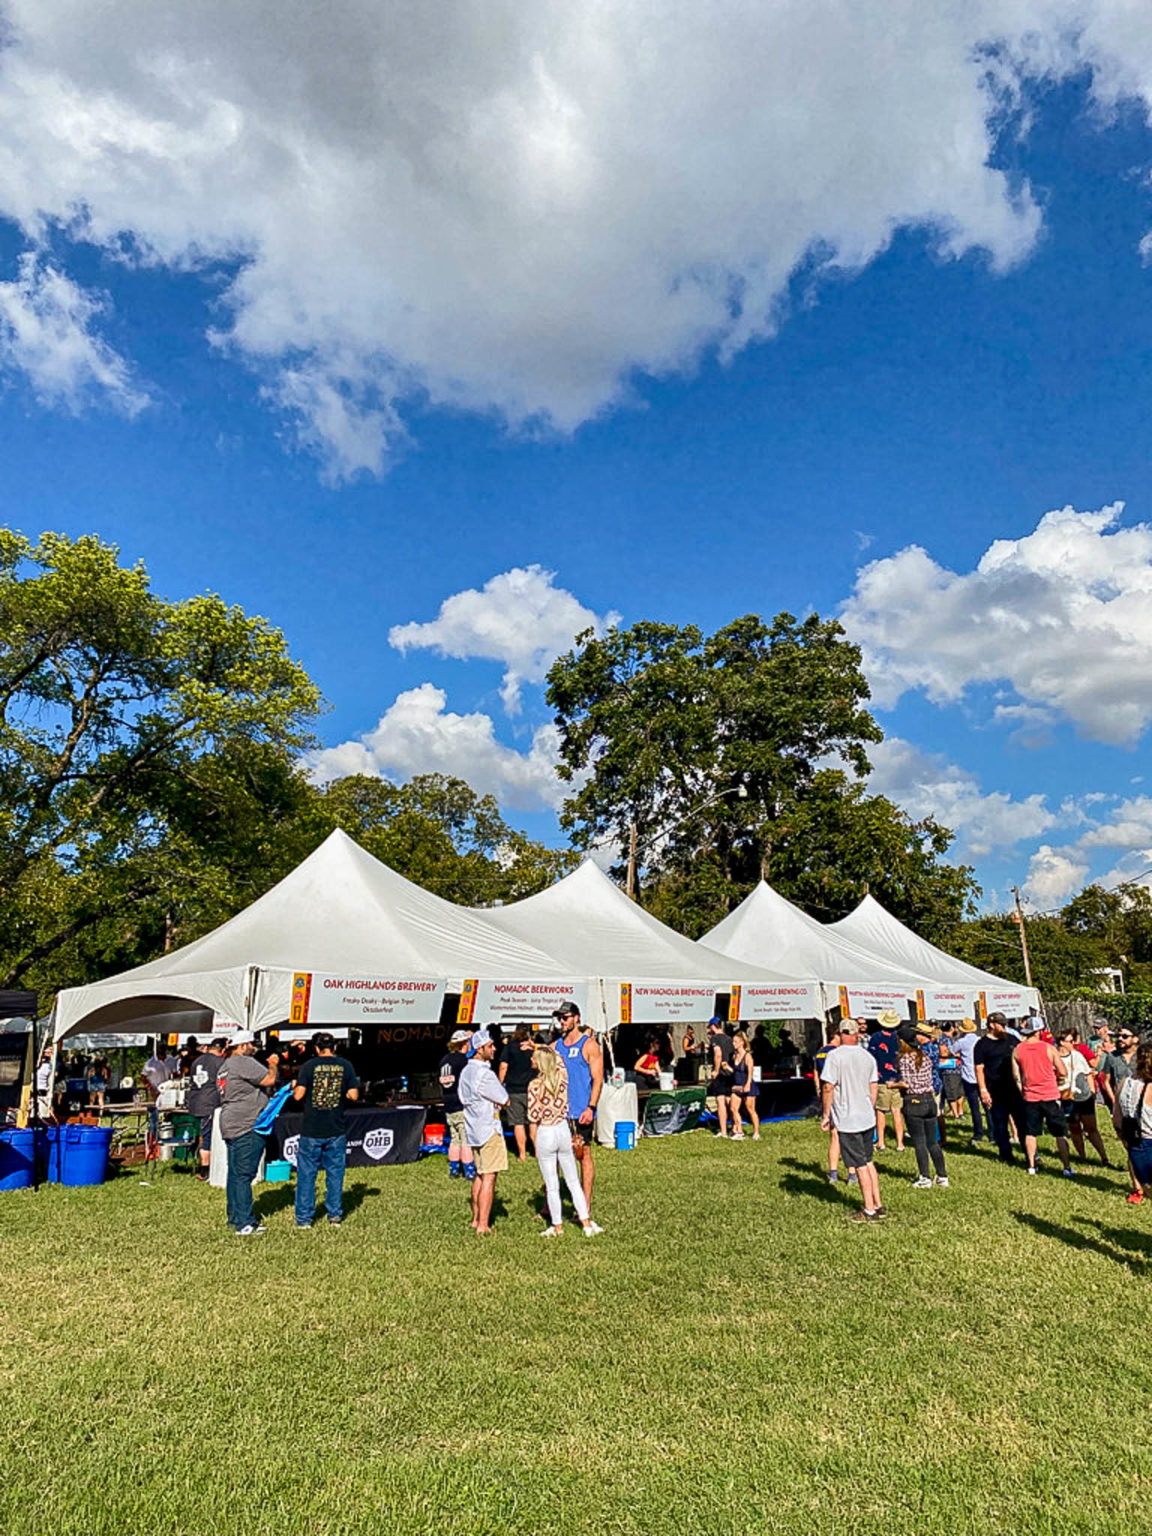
(1131, 1128)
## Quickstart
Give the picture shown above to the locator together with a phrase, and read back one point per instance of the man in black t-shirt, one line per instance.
(323, 1083)
(460, 1163)
(720, 1057)
(992, 1061)
(516, 1072)
(204, 1097)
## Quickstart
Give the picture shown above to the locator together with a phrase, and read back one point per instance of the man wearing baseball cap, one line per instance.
(482, 1094)
(244, 1084)
(452, 1064)
(584, 1063)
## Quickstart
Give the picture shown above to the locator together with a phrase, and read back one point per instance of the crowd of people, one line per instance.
(880, 1088)
(1020, 1082)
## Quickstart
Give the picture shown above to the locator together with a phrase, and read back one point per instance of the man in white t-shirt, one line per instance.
(482, 1094)
(848, 1102)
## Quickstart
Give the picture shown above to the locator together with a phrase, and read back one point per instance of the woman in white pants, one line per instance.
(548, 1112)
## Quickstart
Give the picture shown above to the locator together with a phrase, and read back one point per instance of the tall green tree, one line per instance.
(437, 831)
(148, 750)
(738, 755)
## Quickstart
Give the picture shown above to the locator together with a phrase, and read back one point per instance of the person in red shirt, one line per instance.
(1040, 1074)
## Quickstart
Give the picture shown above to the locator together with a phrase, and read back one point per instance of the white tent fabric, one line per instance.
(872, 926)
(767, 929)
(594, 929)
(340, 911)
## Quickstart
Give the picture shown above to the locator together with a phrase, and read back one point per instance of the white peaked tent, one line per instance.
(593, 929)
(767, 929)
(876, 929)
(341, 913)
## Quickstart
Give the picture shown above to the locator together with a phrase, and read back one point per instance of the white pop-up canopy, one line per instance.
(342, 938)
(650, 973)
(957, 984)
(767, 929)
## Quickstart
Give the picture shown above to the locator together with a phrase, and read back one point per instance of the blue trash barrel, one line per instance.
(17, 1149)
(84, 1153)
(52, 1134)
(625, 1135)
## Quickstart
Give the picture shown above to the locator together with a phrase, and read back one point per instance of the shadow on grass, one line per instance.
(283, 1198)
(1113, 1243)
(814, 1183)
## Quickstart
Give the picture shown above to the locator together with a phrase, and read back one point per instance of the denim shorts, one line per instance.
(1141, 1155)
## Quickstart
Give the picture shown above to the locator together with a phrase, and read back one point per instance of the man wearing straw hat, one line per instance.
(884, 1047)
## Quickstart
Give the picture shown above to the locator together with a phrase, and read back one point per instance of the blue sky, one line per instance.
(597, 348)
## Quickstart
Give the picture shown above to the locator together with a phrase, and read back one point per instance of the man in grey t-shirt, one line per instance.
(848, 1102)
(243, 1084)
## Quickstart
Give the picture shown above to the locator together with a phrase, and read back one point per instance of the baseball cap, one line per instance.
(242, 1037)
(566, 1011)
(480, 1039)
(998, 1018)
(1029, 1026)
(458, 1035)
(849, 1027)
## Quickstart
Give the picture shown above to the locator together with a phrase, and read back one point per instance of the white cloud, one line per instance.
(927, 784)
(46, 334)
(1064, 615)
(519, 618)
(513, 207)
(1054, 874)
(417, 734)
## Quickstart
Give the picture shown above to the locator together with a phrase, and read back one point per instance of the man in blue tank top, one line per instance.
(584, 1063)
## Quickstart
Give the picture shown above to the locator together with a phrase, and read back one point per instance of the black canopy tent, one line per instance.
(17, 1005)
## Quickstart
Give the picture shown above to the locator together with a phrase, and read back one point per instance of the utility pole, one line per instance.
(631, 887)
(1018, 918)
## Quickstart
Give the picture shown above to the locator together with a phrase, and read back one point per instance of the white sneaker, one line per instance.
(550, 1232)
(592, 1230)
(251, 1231)
(942, 1182)
(922, 1183)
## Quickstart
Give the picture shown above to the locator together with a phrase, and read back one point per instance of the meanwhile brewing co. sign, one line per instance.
(791, 1000)
(318, 998)
(656, 1003)
(523, 1002)
(870, 1002)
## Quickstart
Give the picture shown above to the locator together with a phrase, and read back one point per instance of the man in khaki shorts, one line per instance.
(482, 1095)
(884, 1047)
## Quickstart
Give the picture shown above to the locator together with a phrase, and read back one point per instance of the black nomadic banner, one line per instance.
(375, 1136)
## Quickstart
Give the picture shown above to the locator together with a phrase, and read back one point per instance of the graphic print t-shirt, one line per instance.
(327, 1079)
(203, 1094)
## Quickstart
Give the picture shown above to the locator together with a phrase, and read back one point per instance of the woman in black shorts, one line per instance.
(744, 1090)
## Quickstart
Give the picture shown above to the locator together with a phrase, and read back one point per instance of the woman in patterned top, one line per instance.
(921, 1109)
(548, 1112)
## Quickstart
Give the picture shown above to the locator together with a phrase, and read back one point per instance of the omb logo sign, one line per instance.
(288, 1151)
(378, 1143)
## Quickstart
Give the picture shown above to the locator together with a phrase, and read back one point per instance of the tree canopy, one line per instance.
(152, 773)
(739, 755)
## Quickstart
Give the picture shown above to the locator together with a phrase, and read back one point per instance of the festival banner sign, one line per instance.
(665, 1003)
(785, 1000)
(526, 1002)
(320, 998)
(1012, 1001)
(869, 1002)
(945, 1003)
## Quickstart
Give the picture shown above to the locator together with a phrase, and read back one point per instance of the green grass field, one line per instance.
(733, 1355)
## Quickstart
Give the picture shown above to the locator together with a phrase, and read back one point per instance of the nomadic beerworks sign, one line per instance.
(518, 1002)
(321, 998)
